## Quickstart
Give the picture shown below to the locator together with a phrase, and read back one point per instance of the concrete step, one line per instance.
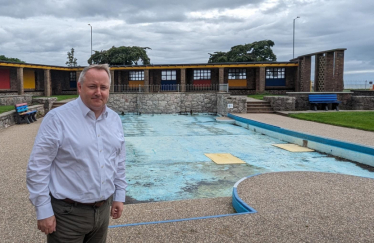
(253, 110)
(259, 107)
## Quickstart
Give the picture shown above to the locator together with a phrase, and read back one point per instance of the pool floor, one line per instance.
(166, 161)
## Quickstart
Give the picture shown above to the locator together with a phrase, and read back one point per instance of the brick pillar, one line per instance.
(111, 81)
(20, 81)
(47, 83)
(329, 72)
(260, 80)
(146, 80)
(318, 76)
(303, 84)
(339, 70)
(119, 77)
(221, 77)
(183, 80)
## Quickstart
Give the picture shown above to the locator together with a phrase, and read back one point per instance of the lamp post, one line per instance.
(91, 41)
(293, 43)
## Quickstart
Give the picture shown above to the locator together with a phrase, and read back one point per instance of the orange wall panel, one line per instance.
(237, 83)
(136, 83)
(28, 79)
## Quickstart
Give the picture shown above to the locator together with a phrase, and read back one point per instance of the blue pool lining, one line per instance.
(336, 143)
(178, 220)
(239, 205)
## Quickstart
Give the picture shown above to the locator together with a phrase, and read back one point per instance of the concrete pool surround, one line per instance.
(351, 151)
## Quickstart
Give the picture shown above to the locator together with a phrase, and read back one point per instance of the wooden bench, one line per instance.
(324, 99)
(24, 114)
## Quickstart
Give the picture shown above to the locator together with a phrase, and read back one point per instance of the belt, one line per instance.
(95, 204)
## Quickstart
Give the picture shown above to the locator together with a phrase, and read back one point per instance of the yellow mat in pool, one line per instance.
(293, 147)
(223, 159)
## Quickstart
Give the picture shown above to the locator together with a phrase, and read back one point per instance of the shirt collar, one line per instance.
(85, 110)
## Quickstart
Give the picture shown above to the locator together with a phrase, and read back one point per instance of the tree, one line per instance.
(123, 55)
(10, 59)
(254, 52)
(72, 61)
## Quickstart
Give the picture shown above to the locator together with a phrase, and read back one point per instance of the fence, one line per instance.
(362, 84)
(171, 88)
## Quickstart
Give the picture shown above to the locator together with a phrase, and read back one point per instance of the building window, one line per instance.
(169, 75)
(275, 77)
(275, 73)
(136, 75)
(73, 79)
(200, 74)
(237, 74)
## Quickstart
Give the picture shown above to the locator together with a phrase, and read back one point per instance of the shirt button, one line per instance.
(100, 150)
(102, 166)
(98, 135)
(103, 182)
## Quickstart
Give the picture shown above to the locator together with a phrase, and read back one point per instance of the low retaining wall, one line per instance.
(362, 103)
(163, 103)
(15, 99)
(362, 92)
(281, 103)
(9, 118)
(46, 102)
(302, 99)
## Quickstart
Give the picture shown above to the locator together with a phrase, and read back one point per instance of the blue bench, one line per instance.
(24, 114)
(324, 99)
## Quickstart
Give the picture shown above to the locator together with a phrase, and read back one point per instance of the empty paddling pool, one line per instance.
(167, 157)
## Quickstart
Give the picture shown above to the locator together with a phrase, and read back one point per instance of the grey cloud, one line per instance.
(128, 10)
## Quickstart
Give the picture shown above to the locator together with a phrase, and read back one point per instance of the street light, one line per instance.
(91, 41)
(293, 43)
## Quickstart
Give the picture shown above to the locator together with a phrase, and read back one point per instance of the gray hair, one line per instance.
(104, 67)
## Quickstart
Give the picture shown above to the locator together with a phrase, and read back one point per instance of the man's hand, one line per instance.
(116, 211)
(48, 225)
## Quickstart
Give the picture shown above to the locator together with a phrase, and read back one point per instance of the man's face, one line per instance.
(94, 91)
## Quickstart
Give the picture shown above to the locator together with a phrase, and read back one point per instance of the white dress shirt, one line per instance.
(77, 156)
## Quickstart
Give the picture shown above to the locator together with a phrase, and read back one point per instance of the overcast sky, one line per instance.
(43, 31)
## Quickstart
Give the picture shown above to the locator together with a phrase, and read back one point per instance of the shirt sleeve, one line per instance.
(120, 178)
(38, 170)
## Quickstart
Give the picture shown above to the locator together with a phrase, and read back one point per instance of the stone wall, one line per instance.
(222, 104)
(362, 102)
(362, 92)
(15, 99)
(302, 100)
(163, 103)
(46, 102)
(239, 104)
(281, 103)
(9, 118)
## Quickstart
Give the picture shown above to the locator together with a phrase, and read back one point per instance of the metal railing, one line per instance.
(171, 88)
(355, 84)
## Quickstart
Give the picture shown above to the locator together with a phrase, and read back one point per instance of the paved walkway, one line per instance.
(292, 206)
(314, 128)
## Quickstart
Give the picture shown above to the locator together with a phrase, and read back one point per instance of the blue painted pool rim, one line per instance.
(336, 143)
(239, 205)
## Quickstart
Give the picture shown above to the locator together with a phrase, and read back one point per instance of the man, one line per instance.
(77, 165)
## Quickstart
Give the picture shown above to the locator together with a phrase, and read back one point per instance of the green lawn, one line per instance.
(261, 96)
(5, 108)
(358, 120)
(60, 97)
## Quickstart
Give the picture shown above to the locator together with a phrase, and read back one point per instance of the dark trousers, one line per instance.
(79, 223)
